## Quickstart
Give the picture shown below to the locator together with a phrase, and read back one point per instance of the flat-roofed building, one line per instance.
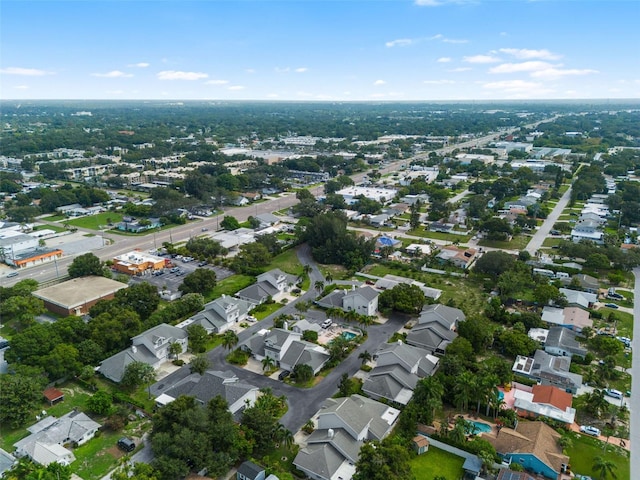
(136, 262)
(77, 296)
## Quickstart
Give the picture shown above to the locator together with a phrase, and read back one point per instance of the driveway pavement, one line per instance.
(303, 403)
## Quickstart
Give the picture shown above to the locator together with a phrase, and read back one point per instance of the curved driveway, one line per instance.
(303, 403)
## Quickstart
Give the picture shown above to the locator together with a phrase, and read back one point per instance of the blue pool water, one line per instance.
(348, 335)
(482, 427)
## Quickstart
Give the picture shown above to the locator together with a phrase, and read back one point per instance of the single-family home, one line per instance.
(151, 347)
(286, 348)
(7, 461)
(534, 445)
(389, 281)
(46, 443)
(363, 300)
(587, 283)
(448, 317)
(459, 257)
(267, 219)
(563, 342)
(344, 424)
(576, 298)
(574, 318)
(543, 401)
(548, 369)
(587, 230)
(398, 369)
(220, 314)
(251, 471)
(432, 337)
(508, 474)
(268, 285)
(303, 325)
(238, 395)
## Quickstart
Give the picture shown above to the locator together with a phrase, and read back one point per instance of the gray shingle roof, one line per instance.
(444, 315)
(113, 367)
(367, 292)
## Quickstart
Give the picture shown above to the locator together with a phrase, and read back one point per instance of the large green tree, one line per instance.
(85, 265)
(202, 280)
(383, 461)
(403, 298)
(20, 396)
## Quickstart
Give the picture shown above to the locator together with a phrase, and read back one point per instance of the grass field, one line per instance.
(518, 242)
(54, 218)
(55, 228)
(288, 262)
(435, 463)
(229, 286)
(585, 449)
(95, 222)
(420, 232)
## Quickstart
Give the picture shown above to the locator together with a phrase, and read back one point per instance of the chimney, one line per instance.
(330, 433)
(285, 325)
(134, 349)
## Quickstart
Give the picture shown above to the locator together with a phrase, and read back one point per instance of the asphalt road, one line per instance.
(545, 229)
(303, 403)
(635, 368)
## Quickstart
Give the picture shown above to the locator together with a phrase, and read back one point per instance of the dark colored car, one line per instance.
(283, 374)
(126, 444)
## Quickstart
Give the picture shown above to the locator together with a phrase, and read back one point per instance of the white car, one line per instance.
(589, 430)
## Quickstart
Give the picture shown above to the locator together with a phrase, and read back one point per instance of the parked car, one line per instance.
(589, 430)
(4, 343)
(175, 270)
(327, 323)
(126, 444)
(611, 305)
(283, 374)
(12, 274)
(203, 263)
(205, 229)
(613, 393)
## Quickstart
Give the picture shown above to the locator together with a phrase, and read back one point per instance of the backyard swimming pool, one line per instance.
(349, 335)
(482, 427)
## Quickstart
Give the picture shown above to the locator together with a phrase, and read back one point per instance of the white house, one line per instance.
(363, 300)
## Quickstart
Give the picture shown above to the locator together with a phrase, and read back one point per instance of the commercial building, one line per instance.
(77, 296)
(136, 262)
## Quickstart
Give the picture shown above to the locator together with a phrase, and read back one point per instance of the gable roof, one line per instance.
(250, 469)
(357, 412)
(367, 293)
(113, 367)
(560, 337)
(211, 384)
(162, 331)
(444, 315)
(431, 337)
(552, 396)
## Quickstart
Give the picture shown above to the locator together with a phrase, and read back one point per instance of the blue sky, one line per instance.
(393, 50)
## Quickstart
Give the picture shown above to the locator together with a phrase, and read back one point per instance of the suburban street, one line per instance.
(545, 229)
(303, 402)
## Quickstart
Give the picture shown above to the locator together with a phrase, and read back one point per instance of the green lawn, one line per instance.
(54, 218)
(269, 308)
(288, 262)
(229, 286)
(435, 463)
(585, 449)
(550, 242)
(519, 242)
(96, 458)
(450, 237)
(97, 222)
(55, 228)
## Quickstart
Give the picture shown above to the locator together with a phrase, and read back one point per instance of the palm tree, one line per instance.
(604, 466)
(464, 390)
(328, 277)
(319, 286)
(229, 339)
(458, 434)
(565, 442)
(496, 402)
(365, 357)
(267, 363)
(366, 321)
(596, 404)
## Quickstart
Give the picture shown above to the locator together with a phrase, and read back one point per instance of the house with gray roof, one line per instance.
(363, 300)
(286, 348)
(151, 347)
(576, 298)
(448, 317)
(548, 370)
(220, 314)
(563, 342)
(268, 285)
(389, 281)
(303, 325)
(7, 461)
(344, 424)
(398, 369)
(46, 443)
(267, 219)
(432, 337)
(211, 384)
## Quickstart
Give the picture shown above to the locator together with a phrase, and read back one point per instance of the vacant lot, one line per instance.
(585, 449)
(96, 222)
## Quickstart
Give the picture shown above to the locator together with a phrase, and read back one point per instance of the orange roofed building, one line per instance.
(544, 401)
(137, 262)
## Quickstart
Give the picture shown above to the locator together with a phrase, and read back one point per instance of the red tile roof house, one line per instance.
(544, 401)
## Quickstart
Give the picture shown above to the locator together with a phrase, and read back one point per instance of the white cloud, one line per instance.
(377, 83)
(481, 59)
(553, 72)
(444, 60)
(460, 69)
(302, 70)
(439, 82)
(236, 87)
(401, 42)
(250, 71)
(518, 88)
(21, 87)
(216, 82)
(112, 74)
(443, 39)
(526, 54)
(178, 75)
(521, 67)
(27, 72)
(139, 65)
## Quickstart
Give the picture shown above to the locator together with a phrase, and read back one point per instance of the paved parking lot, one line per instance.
(173, 280)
